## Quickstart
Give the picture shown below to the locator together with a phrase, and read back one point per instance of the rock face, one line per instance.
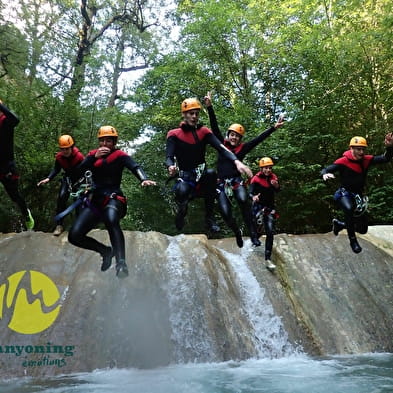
(190, 299)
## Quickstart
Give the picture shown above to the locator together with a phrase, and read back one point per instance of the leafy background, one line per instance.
(70, 67)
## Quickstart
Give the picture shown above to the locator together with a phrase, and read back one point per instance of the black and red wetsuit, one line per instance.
(8, 173)
(264, 212)
(106, 204)
(68, 165)
(71, 176)
(229, 176)
(353, 175)
(226, 169)
(187, 145)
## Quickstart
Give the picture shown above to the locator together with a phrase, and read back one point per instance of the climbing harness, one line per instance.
(80, 196)
(361, 202)
(84, 185)
(361, 205)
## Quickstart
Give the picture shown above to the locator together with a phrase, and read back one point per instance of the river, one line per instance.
(369, 373)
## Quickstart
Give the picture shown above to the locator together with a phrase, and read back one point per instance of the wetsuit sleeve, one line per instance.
(330, 169)
(383, 158)
(11, 117)
(278, 189)
(248, 146)
(170, 151)
(135, 168)
(85, 165)
(214, 142)
(214, 124)
(251, 190)
(56, 169)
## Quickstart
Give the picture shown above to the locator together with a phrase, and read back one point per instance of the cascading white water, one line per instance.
(190, 335)
(271, 339)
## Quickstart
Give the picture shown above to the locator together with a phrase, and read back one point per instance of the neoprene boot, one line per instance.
(107, 259)
(270, 265)
(254, 239)
(180, 215)
(355, 245)
(58, 230)
(337, 226)
(239, 239)
(121, 269)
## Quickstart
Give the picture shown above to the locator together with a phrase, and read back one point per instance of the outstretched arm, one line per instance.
(327, 173)
(212, 117)
(137, 170)
(248, 146)
(388, 155)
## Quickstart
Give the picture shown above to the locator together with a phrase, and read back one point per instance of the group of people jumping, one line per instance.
(94, 181)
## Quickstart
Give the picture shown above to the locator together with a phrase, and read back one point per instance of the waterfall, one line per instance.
(270, 337)
(190, 294)
(190, 336)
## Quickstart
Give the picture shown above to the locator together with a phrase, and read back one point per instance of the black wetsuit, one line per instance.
(106, 203)
(229, 176)
(353, 175)
(8, 173)
(188, 145)
(70, 178)
(264, 212)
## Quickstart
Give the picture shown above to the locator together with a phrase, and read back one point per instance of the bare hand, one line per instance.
(280, 122)
(328, 176)
(148, 183)
(274, 183)
(102, 152)
(172, 170)
(43, 181)
(389, 140)
(243, 169)
(255, 198)
(208, 99)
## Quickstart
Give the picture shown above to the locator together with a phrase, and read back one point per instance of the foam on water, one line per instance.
(371, 373)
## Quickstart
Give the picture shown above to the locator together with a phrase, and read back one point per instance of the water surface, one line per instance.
(371, 373)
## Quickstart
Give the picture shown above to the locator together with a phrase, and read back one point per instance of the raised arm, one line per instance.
(212, 117)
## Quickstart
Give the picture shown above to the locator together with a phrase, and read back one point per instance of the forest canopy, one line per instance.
(68, 67)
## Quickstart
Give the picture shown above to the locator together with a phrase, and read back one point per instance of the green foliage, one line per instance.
(327, 65)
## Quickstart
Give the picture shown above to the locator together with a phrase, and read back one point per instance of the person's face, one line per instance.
(107, 141)
(357, 152)
(267, 170)
(234, 138)
(191, 117)
(66, 151)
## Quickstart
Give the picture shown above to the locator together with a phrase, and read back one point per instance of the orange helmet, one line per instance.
(107, 131)
(65, 141)
(189, 104)
(238, 128)
(358, 141)
(265, 161)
